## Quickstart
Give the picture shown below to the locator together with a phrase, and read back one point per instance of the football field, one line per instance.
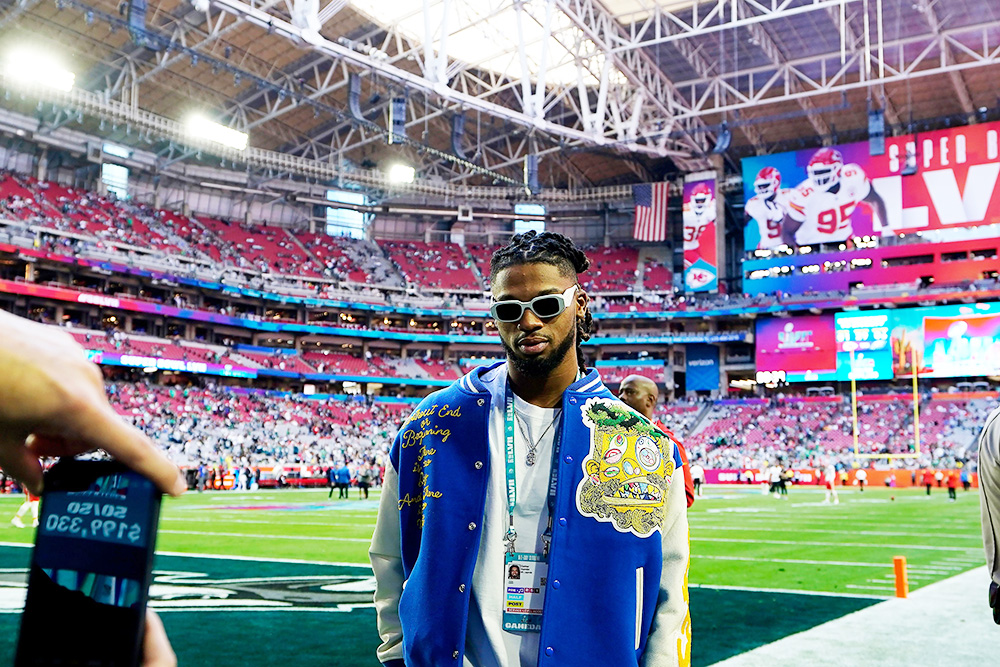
(267, 576)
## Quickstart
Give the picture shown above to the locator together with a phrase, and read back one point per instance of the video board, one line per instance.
(944, 341)
(803, 347)
(943, 180)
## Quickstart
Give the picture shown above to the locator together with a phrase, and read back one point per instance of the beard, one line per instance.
(541, 365)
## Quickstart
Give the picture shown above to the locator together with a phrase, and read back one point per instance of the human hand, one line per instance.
(156, 649)
(52, 403)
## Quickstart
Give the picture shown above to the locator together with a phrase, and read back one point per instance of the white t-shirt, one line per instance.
(486, 643)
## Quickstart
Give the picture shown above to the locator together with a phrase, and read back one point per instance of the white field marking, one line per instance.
(870, 588)
(791, 561)
(878, 533)
(253, 559)
(825, 544)
(268, 537)
(220, 511)
(339, 609)
(265, 580)
(258, 559)
(792, 591)
(809, 519)
(931, 570)
(740, 510)
(268, 523)
(160, 609)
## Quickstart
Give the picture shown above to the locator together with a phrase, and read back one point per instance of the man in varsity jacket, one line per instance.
(532, 463)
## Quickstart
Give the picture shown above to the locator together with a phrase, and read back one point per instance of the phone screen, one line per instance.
(91, 567)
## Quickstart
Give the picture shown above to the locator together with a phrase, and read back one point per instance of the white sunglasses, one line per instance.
(545, 307)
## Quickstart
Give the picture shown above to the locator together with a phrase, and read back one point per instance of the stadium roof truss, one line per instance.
(603, 91)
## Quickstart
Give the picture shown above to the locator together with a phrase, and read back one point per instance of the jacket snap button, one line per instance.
(454, 655)
(549, 651)
(556, 584)
(461, 588)
(568, 459)
(472, 525)
(479, 465)
(562, 521)
(481, 402)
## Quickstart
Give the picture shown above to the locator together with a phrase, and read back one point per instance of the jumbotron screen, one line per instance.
(938, 182)
(803, 347)
(940, 341)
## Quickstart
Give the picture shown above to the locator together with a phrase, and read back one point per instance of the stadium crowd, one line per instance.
(799, 434)
(237, 429)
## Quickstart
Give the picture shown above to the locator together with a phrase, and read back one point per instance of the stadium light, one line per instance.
(30, 66)
(202, 128)
(401, 173)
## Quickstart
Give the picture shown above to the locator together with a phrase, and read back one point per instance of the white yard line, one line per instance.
(867, 545)
(271, 523)
(878, 533)
(792, 561)
(267, 537)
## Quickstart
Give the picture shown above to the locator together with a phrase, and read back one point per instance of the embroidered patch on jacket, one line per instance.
(627, 473)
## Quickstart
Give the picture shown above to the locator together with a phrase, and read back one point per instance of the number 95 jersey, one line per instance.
(825, 213)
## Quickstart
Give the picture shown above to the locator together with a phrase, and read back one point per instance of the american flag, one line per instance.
(650, 212)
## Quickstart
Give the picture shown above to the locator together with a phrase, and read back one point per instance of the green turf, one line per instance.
(765, 552)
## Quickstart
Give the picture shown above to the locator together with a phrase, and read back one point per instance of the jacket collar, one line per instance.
(472, 383)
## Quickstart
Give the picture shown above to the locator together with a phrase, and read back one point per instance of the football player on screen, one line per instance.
(767, 207)
(698, 214)
(820, 208)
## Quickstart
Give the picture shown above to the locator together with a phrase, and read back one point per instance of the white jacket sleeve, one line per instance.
(989, 487)
(669, 642)
(386, 558)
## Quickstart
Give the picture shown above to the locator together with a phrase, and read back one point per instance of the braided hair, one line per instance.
(556, 250)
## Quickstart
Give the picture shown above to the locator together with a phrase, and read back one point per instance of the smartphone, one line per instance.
(91, 567)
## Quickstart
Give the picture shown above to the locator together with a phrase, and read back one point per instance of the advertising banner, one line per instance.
(701, 264)
(803, 347)
(702, 368)
(943, 180)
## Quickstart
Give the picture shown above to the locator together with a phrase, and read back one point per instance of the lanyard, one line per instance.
(508, 430)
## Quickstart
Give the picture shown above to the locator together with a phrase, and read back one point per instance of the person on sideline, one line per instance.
(52, 403)
(532, 462)
(30, 504)
(830, 481)
(861, 477)
(640, 393)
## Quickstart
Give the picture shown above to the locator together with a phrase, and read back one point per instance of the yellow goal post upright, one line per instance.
(916, 414)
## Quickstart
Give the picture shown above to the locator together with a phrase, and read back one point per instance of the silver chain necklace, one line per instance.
(529, 458)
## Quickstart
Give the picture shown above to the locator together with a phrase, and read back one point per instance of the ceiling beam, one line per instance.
(419, 82)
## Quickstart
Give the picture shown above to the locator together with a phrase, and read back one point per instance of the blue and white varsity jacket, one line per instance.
(617, 580)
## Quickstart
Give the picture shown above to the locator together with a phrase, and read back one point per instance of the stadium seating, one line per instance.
(612, 269)
(657, 277)
(809, 433)
(194, 424)
(433, 265)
